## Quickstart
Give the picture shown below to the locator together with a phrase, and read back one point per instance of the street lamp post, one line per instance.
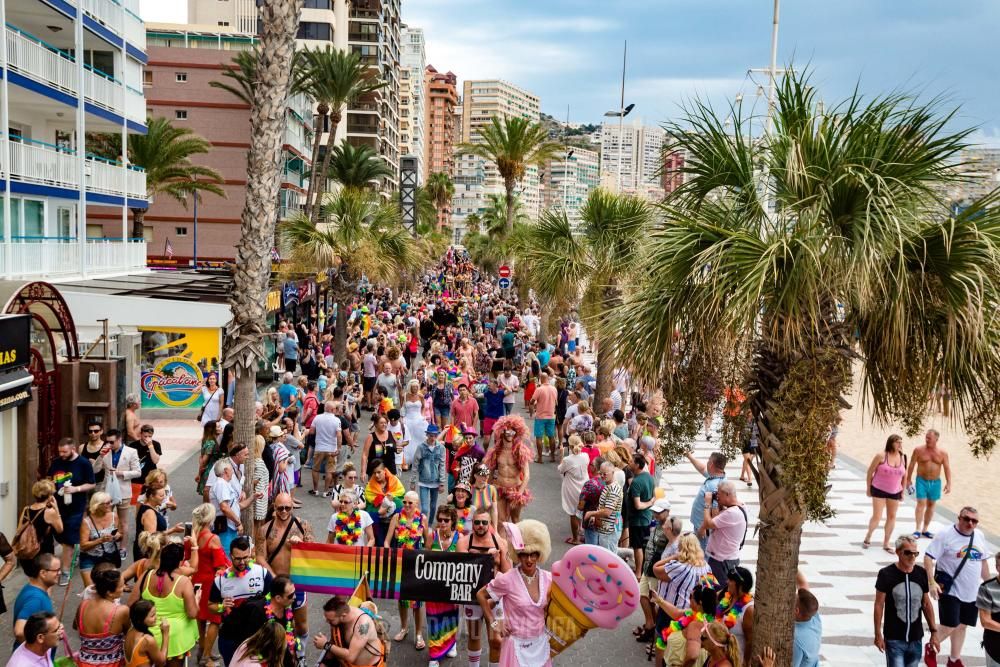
(194, 252)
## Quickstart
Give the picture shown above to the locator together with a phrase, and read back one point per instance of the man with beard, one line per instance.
(483, 540)
(509, 458)
(273, 548)
(356, 630)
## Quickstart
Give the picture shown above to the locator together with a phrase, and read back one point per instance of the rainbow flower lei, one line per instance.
(684, 621)
(464, 516)
(291, 639)
(231, 573)
(347, 529)
(409, 531)
(729, 612)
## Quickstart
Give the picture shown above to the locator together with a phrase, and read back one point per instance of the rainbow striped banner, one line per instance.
(334, 569)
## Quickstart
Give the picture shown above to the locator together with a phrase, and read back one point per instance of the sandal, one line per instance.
(639, 629)
(865, 545)
(646, 636)
(889, 550)
(401, 635)
(571, 541)
(420, 645)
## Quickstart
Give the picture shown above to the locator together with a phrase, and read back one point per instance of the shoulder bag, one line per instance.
(945, 580)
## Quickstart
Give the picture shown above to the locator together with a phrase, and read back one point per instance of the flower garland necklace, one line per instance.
(464, 514)
(684, 621)
(730, 611)
(347, 529)
(291, 639)
(409, 531)
(233, 573)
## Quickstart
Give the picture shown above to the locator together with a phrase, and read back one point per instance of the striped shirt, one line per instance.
(683, 578)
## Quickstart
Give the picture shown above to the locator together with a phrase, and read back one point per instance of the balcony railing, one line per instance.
(104, 91)
(135, 29)
(135, 105)
(61, 258)
(368, 37)
(107, 12)
(45, 164)
(362, 129)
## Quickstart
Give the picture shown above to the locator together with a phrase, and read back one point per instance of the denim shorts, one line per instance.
(899, 653)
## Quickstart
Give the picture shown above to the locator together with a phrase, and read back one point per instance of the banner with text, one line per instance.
(394, 574)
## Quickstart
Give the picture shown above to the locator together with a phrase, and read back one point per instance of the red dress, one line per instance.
(210, 561)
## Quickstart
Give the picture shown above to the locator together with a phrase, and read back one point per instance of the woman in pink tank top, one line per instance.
(885, 488)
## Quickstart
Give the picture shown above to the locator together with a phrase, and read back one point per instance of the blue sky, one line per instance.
(569, 51)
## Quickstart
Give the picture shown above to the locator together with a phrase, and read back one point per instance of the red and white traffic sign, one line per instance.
(504, 271)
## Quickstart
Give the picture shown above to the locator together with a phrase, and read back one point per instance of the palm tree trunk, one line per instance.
(138, 216)
(327, 158)
(510, 207)
(321, 110)
(342, 294)
(245, 332)
(611, 300)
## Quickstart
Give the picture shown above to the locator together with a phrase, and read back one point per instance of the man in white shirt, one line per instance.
(327, 429)
(962, 553)
(728, 525)
(511, 384)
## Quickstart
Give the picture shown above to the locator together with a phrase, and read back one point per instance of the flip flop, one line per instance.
(570, 540)
(916, 535)
(400, 636)
(928, 535)
(888, 550)
(865, 545)
(420, 645)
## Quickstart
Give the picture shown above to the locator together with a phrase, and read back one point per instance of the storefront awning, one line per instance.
(15, 388)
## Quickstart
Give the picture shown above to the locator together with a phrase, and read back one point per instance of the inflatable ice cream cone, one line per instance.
(591, 588)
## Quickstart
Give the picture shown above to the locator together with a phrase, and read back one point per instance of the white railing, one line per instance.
(34, 60)
(102, 91)
(107, 12)
(135, 105)
(135, 29)
(131, 6)
(61, 258)
(41, 164)
(105, 177)
(295, 136)
(137, 184)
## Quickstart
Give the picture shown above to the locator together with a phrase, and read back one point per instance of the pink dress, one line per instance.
(527, 645)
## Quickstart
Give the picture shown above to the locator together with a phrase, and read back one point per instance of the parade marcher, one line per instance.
(380, 444)
(484, 495)
(349, 525)
(524, 593)
(359, 644)
(484, 539)
(408, 529)
(243, 581)
(543, 400)
(74, 479)
(272, 608)
(956, 561)
(929, 462)
(442, 617)
(509, 458)
(728, 526)
(884, 485)
(383, 498)
(902, 595)
(429, 471)
(327, 429)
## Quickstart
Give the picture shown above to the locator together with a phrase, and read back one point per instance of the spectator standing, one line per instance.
(121, 464)
(902, 592)
(807, 638)
(728, 528)
(290, 348)
(43, 632)
(327, 429)
(988, 602)
(149, 452)
(714, 472)
(43, 575)
(74, 479)
(607, 517)
(641, 498)
(955, 561)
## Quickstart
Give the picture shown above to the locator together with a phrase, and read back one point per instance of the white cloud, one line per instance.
(660, 98)
(986, 137)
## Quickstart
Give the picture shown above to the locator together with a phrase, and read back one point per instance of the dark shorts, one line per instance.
(368, 383)
(300, 600)
(638, 536)
(750, 449)
(71, 531)
(952, 612)
(879, 493)
(290, 364)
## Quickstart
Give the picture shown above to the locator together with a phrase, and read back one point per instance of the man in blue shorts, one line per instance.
(544, 402)
(929, 461)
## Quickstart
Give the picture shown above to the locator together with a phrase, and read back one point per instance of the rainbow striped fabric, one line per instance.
(61, 478)
(333, 569)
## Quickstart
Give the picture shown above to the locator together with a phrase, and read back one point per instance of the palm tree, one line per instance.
(426, 212)
(357, 166)
(441, 189)
(334, 79)
(859, 261)
(243, 346)
(513, 145)
(596, 261)
(495, 216)
(241, 73)
(165, 153)
(359, 234)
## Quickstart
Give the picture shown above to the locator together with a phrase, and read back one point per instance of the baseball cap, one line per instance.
(661, 505)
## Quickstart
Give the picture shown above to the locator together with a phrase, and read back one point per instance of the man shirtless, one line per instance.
(483, 540)
(131, 418)
(273, 551)
(359, 644)
(510, 459)
(929, 460)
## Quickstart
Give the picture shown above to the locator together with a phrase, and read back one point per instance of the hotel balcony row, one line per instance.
(42, 164)
(120, 17)
(69, 258)
(43, 63)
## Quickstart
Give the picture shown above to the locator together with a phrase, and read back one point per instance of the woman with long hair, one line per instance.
(102, 622)
(736, 609)
(679, 631)
(174, 597)
(213, 398)
(141, 647)
(414, 423)
(210, 452)
(210, 560)
(265, 648)
(99, 536)
(408, 529)
(720, 645)
(884, 484)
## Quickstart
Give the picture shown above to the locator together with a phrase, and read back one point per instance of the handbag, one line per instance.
(945, 580)
(201, 413)
(26, 544)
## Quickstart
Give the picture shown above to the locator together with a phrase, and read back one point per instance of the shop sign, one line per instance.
(273, 301)
(175, 363)
(15, 341)
(174, 382)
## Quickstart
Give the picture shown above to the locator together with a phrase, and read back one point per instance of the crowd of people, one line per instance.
(446, 465)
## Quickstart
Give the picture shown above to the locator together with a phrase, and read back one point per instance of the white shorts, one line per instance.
(472, 612)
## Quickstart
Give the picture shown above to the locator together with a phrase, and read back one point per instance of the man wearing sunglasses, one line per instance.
(94, 450)
(956, 562)
(901, 595)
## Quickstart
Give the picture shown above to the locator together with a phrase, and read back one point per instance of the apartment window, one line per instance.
(313, 30)
(147, 78)
(181, 77)
(224, 24)
(181, 114)
(181, 231)
(317, 4)
(147, 233)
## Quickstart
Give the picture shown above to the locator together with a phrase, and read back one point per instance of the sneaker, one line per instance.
(930, 655)
(453, 652)
(327, 494)
(63, 579)
(123, 553)
(313, 492)
(955, 663)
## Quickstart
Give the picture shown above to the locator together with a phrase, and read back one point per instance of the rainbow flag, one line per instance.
(334, 569)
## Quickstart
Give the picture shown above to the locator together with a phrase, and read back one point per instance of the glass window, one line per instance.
(317, 4)
(32, 223)
(64, 222)
(313, 30)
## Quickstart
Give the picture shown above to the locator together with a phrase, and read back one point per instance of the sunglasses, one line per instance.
(970, 519)
(352, 477)
(93, 430)
(444, 519)
(477, 522)
(283, 508)
(109, 442)
(530, 554)
(908, 552)
(409, 502)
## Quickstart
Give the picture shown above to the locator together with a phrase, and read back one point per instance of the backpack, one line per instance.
(26, 544)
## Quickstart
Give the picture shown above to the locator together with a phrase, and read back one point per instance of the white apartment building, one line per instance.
(567, 182)
(633, 162)
(412, 96)
(470, 193)
(483, 99)
(70, 68)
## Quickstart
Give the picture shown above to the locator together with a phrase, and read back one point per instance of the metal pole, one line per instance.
(81, 144)
(621, 119)
(5, 146)
(195, 251)
(773, 69)
(566, 164)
